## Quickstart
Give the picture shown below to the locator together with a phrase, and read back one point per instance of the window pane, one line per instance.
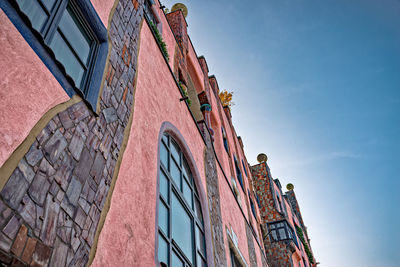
(201, 262)
(35, 13)
(182, 230)
(162, 250)
(164, 186)
(64, 54)
(186, 170)
(76, 36)
(165, 139)
(48, 4)
(282, 233)
(175, 151)
(197, 210)
(176, 174)
(163, 217)
(273, 233)
(200, 240)
(176, 261)
(187, 193)
(164, 155)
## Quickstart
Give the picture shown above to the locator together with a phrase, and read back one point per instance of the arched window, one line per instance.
(180, 220)
(225, 140)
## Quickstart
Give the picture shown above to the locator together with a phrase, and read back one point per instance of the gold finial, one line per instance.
(180, 6)
(226, 98)
(262, 158)
(290, 187)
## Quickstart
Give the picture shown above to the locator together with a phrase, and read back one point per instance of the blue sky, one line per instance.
(317, 88)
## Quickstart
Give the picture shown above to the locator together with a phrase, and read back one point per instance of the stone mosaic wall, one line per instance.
(51, 205)
(214, 201)
(278, 253)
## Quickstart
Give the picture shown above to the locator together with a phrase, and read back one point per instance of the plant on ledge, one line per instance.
(226, 98)
(159, 39)
(306, 248)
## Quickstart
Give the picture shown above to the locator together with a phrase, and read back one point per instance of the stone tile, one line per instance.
(46, 168)
(12, 227)
(84, 205)
(84, 165)
(64, 172)
(41, 256)
(110, 115)
(29, 249)
(78, 111)
(48, 232)
(43, 135)
(65, 119)
(105, 144)
(60, 253)
(5, 258)
(55, 146)
(75, 241)
(83, 129)
(20, 240)
(26, 170)
(17, 263)
(15, 189)
(97, 169)
(74, 190)
(76, 146)
(101, 194)
(34, 154)
(67, 207)
(39, 188)
(119, 136)
(54, 188)
(80, 217)
(5, 242)
(27, 210)
(64, 227)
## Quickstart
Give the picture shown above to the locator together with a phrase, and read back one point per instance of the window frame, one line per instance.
(39, 42)
(199, 248)
(239, 175)
(273, 228)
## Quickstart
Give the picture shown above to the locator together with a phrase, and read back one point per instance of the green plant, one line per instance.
(159, 39)
(306, 248)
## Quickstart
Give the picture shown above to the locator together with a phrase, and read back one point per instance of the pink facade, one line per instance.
(84, 189)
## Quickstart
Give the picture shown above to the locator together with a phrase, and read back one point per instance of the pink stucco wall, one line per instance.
(27, 88)
(128, 235)
(103, 9)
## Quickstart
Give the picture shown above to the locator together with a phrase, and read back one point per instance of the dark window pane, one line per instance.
(164, 155)
(163, 217)
(176, 174)
(64, 54)
(175, 151)
(176, 261)
(273, 233)
(282, 233)
(164, 186)
(182, 229)
(162, 250)
(35, 13)
(197, 210)
(187, 193)
(200, 240)
(75, 35)
(186, 171)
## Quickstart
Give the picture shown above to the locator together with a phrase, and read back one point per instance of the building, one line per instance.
(115, 148)
(285, 235)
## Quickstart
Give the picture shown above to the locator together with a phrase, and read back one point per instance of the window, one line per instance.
(235, 261)
(149, 12)
(181, 240)
(238, 173)
(69, 33)
(244, 168)
(252, 206)
(280, 231)
(225, 140)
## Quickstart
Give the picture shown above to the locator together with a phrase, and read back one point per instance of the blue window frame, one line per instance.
(244, 168)
(252, 206)
(238, 173)
(225, 140)
(69, 38)
(181, 239)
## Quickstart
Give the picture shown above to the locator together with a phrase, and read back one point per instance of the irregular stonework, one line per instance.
(214, 200)
(51, 204)
(250, 242)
